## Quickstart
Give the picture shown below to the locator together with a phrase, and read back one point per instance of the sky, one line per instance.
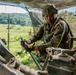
(71, 9)
(12, 9)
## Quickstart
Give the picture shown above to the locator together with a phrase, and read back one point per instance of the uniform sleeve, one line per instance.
(54, 40)
(38, 35)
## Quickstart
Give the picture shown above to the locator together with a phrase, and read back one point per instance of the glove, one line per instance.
(30, 49)
(24, 44)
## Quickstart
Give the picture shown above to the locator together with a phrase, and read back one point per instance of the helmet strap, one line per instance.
(55, 16)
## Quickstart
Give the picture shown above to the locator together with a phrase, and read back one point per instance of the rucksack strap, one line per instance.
(63, 34)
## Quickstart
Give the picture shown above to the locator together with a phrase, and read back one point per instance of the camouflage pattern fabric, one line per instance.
(52, 35)
(49, 9)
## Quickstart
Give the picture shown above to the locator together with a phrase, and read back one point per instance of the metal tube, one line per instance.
(40, 68)
(45, 63)
(8, 29)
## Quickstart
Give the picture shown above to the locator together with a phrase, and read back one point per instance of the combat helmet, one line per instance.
(48, 9)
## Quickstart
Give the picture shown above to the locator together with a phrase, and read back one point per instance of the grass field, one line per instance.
(17, 31)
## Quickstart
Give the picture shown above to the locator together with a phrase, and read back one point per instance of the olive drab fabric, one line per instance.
(49, 9)
(53, 36)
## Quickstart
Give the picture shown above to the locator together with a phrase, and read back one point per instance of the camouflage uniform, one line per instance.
(54, 35)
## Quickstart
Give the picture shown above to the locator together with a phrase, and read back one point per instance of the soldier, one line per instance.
(55, 32)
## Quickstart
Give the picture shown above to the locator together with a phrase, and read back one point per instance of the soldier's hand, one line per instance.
(26, 46)
(29, 41)
(30, 48)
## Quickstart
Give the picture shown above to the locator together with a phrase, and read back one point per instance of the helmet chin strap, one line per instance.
(55, 16)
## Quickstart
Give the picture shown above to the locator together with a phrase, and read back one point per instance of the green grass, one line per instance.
(17, 31)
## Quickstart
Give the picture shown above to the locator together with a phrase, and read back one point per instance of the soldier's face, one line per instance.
(49, 18)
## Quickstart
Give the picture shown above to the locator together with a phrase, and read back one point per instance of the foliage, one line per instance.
(70, 19)
(18, 19)
(17, 31)
(15, 18)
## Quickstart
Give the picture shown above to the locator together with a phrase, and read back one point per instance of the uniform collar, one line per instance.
(56, 20)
